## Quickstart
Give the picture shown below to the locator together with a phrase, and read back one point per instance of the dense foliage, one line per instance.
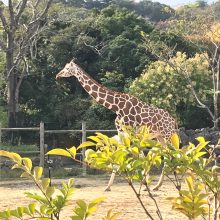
(124, 154)
(162, 85)
(105, 38)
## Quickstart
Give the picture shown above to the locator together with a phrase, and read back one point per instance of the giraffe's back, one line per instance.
(137, 113)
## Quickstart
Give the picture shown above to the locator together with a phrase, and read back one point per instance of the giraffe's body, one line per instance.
(129, 110)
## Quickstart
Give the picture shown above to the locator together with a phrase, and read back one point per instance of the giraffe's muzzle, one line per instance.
(59, 75)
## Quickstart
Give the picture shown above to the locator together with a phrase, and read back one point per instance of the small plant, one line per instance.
(192, 202)
(128, 158)
(50, 201)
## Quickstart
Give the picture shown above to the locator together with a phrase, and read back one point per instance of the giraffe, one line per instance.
(129, 110)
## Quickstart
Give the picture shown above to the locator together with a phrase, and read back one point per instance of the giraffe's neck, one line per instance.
(101, 94)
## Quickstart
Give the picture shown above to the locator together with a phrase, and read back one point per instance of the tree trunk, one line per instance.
(216, 120)
(11, 82)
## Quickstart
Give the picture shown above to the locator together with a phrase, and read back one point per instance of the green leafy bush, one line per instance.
(50, 201)
(126, 156)
(164, 85)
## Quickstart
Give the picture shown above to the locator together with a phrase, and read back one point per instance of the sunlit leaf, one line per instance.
(27, 162)
(175, 141)
(96, 201)
(71, 182)
(38, 171)
(32, 207)
(72, 151)
(86, 144)
(14, 156)
(45, 182)
(59, 151)
(20, 211)
(200, 139)
(50, 191)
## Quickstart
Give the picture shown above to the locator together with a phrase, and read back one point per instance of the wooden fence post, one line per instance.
(83, 149)
(0, 132)
(42, 144)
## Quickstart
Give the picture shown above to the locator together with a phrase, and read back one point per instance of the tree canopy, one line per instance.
(106, 39)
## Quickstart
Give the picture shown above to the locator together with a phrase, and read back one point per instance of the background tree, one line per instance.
(201, 28)
(163, 86)
(99, 48)
(21, 22)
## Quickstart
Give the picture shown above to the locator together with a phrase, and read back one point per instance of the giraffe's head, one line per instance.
(70, 69)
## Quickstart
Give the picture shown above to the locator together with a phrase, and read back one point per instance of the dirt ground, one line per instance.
(121, 199)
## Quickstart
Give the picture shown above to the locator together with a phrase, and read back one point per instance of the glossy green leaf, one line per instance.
(111, 216)
(175, 141)
(86, 144)
(32, 208)
(96, 201)
(72, 151)
(43, 209)
(15, 213)
(27, 162)
(20, 211)
(135, 151)
(201, 139)
(82, 204)
(89, 153)
(27, 211)
(126, 141)
(37, 198)
(50, 191)
(38, 171)
(59, 151)
(14, 156)
(71, 182)
(95, 139)
(45, 182)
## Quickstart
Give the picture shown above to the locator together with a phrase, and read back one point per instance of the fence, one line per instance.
(42, 131)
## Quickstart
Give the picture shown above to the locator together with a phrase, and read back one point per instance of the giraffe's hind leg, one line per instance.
(160, 182)
(110, 182)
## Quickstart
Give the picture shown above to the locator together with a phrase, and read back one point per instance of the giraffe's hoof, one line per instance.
(107, 189)
(155, 188)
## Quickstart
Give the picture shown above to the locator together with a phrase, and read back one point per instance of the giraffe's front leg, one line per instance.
(110, 182)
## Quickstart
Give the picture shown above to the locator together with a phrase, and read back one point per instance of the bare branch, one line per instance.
(37, 3)
(22, 75)
(20, 10)
(96, 48)
(187, 76)
(3, 19)
(46, 9)
(12, 15)
(3, 46)
(41, 16)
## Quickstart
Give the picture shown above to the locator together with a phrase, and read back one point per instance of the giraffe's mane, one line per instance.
(106, 88)
(121, 94)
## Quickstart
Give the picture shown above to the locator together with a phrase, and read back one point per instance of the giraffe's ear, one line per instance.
(73, 60)
(71, 63)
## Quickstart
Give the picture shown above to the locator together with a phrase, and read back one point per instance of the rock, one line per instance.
(209, 134)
